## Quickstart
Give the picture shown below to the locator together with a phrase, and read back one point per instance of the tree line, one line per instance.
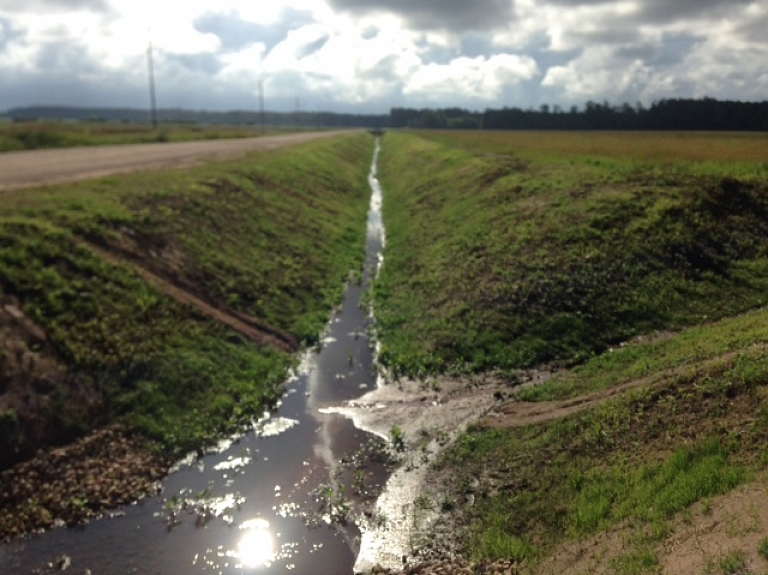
(668, 114)
(177, 115)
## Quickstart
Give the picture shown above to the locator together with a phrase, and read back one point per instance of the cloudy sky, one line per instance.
(370, 55)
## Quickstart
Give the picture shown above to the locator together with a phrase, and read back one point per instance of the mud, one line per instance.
(428, 416)
(70, 485)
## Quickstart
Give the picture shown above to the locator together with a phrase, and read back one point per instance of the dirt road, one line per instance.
(38, 167)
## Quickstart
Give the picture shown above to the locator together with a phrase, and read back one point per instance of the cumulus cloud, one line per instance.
(373, 54)
(595, 73)
(470, 78)
(9, 33)
(54, 5)
(236, 32)
(450, 15)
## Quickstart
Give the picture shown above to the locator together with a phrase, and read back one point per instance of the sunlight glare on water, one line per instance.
(256, 547)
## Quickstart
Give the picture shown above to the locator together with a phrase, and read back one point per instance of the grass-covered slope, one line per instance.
(86, 340)
(641, 258)
(625, 474)
(511, 250)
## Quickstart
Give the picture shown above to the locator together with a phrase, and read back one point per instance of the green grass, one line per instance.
(626, 257)
(273, 235)
(653, 358)
(39, 135)
(503, 255)
(631, 464)
(731, 563)
(762, 548)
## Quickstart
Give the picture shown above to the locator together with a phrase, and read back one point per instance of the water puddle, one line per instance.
(282, 498)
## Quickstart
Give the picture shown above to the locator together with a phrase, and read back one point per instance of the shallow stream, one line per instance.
(272, 501)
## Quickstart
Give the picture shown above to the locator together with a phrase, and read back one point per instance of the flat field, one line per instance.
(40, 135)
(171, 301)
(632, 268)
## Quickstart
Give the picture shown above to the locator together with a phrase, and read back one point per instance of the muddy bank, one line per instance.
(420, 419)
(455, 567)
(70, 485)
(35, 385)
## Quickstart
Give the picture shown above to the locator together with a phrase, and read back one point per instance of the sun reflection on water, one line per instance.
(256, 547)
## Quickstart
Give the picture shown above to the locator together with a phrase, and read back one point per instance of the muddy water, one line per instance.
(260, 504)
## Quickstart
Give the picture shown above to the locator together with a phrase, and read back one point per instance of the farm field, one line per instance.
(43, 135)
(125, 286)
(628, 272)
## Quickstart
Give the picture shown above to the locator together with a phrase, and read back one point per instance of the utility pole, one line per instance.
(261, 104)
(153, 104)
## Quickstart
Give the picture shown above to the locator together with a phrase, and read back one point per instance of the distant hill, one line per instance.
(234, 117)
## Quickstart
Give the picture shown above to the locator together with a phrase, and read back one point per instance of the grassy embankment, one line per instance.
(269, 237)
(512, 250)
(39, 135)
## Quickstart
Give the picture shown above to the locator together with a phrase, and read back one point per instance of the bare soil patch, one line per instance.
(69, 485)
(519, 413)
(34, 384)
(698, 540)
(163, 270)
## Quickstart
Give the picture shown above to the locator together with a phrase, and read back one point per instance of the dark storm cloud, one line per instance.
(755, 30)
(451, 15)
(235, 32)
(661, 11)
(54, 5)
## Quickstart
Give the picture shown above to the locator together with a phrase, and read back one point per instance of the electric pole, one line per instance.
(152, 103)
(261, 104)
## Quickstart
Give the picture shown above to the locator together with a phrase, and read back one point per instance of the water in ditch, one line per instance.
(274, 501)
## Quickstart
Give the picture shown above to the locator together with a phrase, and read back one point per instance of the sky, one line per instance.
(366, 56)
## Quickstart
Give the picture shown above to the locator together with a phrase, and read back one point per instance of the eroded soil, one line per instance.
(34, 386)
(162, 266)
(69, 485)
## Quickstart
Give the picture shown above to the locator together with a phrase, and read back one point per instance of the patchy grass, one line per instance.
(634, 464)
(272, 236)
(512, 250)
(628, 257)
(652, 357)
(39, 135)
